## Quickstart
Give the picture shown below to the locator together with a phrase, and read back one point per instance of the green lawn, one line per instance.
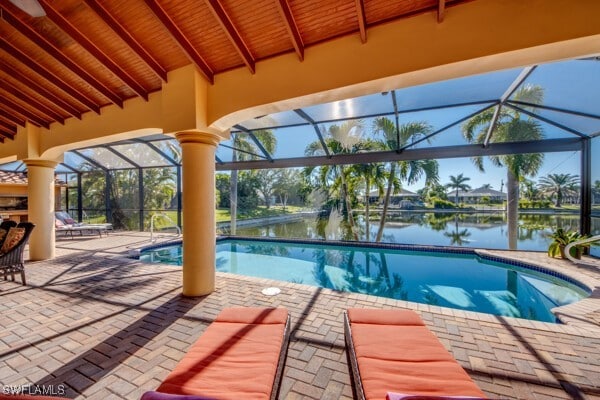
(223, 215)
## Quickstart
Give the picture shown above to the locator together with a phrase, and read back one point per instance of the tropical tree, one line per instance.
(223, 185)
(394, 138)
(433, 191)
(558, 185)
(510, 126)
(458, 183)
(486, 186)
(288, 185)
(529, 189)
(266, 179)
(244, 148)
(339, 139)
(372, 174)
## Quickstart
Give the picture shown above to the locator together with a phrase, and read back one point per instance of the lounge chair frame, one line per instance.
(99, 229)
(356, 382)
(281, 362)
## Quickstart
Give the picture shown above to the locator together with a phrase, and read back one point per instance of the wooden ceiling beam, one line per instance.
(11, 117)
(5, 135)
(66, 26)
(441, 11)
(234, 36)
(126, 37)
(49, 48)
(291, 27)
(13, 91)
(181, 40)
(8, 127)
(49, 76)
(35, 119)
(362, 20)
(57, 101)
(41, 107)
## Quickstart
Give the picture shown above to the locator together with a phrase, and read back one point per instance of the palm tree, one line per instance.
(340, 139)
(409, 171)
(529, 189)
(458, 183)
(559, 185)
(243, 149)
(510, 126)
(373, 173)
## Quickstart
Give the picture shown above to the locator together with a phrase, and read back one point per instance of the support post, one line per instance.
(585, 224)
(141, 198)
(199, 228)
(179, 201)
(79, 198)
(40, 192)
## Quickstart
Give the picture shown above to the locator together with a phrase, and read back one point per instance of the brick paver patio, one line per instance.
(108, 327)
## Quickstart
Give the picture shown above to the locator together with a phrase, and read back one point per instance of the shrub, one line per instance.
(443, 204)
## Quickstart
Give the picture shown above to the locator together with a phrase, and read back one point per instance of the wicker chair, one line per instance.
(6, 225)
(11, 262)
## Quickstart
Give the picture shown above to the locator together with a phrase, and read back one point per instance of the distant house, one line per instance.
(403, 195)
(476, 195)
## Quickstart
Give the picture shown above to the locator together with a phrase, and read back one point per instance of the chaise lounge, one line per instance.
(65, 223)
(240, 356)
(392, 353)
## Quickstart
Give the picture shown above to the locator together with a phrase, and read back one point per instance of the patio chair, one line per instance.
(4, 228)
(392, 353)
(65, 223)
(11, 251)
(240, 356)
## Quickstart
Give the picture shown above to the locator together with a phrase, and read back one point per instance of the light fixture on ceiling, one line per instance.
(31, 7)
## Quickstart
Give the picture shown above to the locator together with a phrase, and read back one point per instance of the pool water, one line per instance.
(447, 279)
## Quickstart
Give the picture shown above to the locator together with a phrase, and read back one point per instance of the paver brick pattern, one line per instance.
(110, 327)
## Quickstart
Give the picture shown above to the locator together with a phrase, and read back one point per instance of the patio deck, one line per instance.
(109, 327)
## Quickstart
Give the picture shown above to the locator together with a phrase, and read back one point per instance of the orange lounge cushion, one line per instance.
(397, 353)
(235, 358)
(384, 317)
(402, 396)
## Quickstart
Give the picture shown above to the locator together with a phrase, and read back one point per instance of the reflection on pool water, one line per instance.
(448, 279)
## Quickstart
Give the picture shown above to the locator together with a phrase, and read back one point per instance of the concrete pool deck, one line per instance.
(106, 326)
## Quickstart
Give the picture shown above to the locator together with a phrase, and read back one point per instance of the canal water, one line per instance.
(481, 230)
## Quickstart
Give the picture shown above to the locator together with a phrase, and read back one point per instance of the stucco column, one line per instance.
(198, 195)
(40, 188)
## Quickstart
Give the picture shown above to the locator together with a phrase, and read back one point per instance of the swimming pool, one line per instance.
(444, 277)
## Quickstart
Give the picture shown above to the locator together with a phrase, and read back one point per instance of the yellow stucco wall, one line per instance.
(13, 190)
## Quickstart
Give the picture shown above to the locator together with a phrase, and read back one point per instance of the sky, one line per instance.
(291, 142)
(554, 163)
(571, 85)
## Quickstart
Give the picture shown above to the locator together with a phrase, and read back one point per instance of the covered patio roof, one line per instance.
(567, 116)
(62, 59)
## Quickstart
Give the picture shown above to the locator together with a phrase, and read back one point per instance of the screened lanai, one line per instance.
(564, 109)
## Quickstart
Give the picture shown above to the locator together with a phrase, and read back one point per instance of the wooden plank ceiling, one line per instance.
(70, 57)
